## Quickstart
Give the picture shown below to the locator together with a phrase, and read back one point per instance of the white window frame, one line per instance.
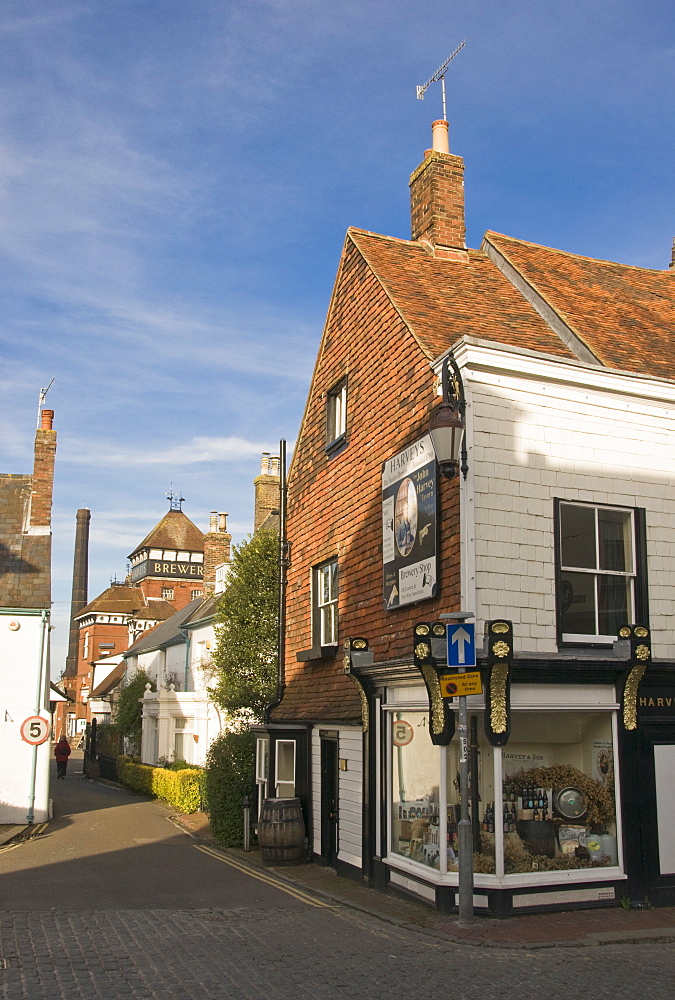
(596, 572)
(284, 788)
(262, 769)
(168, 593)
(336, 412)
(187, 729)
(325, 611)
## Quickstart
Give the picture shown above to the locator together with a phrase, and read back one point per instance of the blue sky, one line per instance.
(176, 177)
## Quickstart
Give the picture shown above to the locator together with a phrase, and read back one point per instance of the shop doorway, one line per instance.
(657, 815)
(329, 800)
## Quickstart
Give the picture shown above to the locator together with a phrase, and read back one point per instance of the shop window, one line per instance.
(336, 415)
(285, 768)
(543, 803)
(558, 792)
(325, 604)
(597, 571)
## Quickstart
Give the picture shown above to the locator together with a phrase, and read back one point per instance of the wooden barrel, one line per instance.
(538, 836)
(281, 832)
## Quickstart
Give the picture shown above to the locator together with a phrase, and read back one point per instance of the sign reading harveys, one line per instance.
(409, 525)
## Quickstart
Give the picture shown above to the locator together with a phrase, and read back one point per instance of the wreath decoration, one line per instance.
(599, 797)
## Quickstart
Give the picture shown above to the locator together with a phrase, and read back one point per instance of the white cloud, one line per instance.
(199, 449)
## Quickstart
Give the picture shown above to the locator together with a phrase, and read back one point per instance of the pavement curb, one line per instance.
(594, 939)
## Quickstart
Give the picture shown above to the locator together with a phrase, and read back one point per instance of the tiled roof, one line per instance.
(174, 531)
(166, 634)
(442, 300)
(120, 599)
(109, 682)
(25, 560)
(625, 315)
(319, 693)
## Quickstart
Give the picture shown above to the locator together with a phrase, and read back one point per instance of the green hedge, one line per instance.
(229, 777)
(182, 789)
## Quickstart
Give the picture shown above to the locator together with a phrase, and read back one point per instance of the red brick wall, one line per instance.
(43, 478)
(182, 589)
(437, 200)
(217, 546)
(334, 503)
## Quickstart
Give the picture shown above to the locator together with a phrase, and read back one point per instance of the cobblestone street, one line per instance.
(112, 901)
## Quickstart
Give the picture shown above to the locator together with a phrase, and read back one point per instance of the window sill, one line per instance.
(316, 653)
(333, 447)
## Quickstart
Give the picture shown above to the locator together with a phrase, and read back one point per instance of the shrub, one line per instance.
(129, 711)
(108, 739)
(229, 777)
(181, 789)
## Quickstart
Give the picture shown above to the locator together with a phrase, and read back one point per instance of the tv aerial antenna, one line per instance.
(43, 399)
(440, 75)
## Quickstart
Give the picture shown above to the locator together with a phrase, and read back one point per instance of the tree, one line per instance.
(129, 710)
(248, 619)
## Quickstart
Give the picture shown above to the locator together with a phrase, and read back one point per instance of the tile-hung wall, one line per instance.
(540, 431)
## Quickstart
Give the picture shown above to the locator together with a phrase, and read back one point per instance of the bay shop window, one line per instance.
(545, 803)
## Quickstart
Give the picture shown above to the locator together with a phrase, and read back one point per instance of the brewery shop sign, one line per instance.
(409, 521)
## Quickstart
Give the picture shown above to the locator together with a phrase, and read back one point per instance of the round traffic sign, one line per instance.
(402, 734)
(448, 689)
(35, 730)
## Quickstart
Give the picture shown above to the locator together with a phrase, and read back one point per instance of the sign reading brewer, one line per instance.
(164, 568)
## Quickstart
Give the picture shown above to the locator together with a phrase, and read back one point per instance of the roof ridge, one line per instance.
(579, 256)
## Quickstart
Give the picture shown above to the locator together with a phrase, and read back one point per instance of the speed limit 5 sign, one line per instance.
(35, 730)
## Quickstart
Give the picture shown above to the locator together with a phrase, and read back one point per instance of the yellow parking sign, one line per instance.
(453, 685)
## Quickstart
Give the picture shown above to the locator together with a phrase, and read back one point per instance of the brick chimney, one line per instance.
(267, 486)
(437, 198)
(217, 544)
(43, 475)
(79, 592)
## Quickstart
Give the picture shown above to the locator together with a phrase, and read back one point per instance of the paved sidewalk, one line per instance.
(545, 930)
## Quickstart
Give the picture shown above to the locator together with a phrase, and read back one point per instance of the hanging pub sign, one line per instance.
(409, 525)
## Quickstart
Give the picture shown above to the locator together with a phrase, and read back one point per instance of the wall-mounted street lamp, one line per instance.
(446, 426)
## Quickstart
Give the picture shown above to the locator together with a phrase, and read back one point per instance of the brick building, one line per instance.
(172, 567)
(557, 524)
(25, 609)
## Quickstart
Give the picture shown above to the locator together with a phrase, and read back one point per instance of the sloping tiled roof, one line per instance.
(625, 315)
(174, 531)
(319, 693)
(120, 599)
(166, 634)
(442, 300)
(25, 560)
(109, 682)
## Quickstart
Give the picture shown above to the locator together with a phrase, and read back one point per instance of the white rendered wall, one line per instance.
(23, 660)
(540, 430)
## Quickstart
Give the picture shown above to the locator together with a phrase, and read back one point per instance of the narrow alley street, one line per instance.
(115, 901)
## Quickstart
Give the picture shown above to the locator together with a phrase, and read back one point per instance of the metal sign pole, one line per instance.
(462, 654)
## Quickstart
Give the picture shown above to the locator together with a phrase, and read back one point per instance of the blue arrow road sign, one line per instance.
(461, 645)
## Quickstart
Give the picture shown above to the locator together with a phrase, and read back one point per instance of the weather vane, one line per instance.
(439, 75)
(175, 501)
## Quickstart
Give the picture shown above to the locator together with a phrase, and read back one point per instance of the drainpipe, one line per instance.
(283, 567)
(188, 638)
(38, 705)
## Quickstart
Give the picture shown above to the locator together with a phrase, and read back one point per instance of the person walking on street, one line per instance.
(62, 753)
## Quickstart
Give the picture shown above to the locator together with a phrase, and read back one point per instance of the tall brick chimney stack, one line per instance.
(437, 198)
(217, 546)
(43, 476)
(80, 589)
(267, 486)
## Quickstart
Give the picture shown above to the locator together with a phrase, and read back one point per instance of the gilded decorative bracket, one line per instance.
(640, 658)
